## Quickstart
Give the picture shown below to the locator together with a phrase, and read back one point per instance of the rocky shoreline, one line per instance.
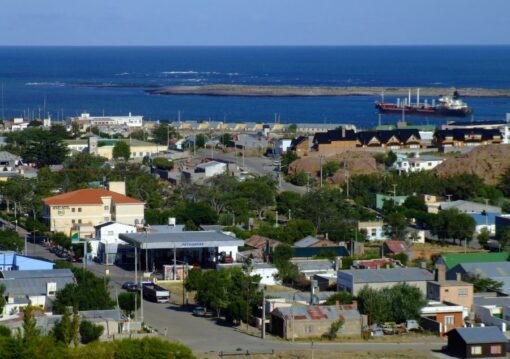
(310, 91)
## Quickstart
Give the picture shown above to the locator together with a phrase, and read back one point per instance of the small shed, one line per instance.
(477, 342)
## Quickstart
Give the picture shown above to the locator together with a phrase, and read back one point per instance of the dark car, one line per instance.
(130, 286)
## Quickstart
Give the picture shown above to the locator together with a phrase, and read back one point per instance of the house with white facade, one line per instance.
(417, 163)
(374, 230)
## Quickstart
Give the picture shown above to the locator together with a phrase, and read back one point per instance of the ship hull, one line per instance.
(391, 109)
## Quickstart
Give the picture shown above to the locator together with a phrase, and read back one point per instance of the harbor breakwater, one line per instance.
(321, 91)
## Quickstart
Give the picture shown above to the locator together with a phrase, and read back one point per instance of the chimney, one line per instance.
(343, 131)
(440, 272)
(117, 187)
(458, 276)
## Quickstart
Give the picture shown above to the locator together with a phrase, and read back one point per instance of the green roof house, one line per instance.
(381, 198)
(453, 259)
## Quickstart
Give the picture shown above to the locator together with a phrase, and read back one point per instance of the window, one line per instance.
(495, 349)
(79, 209)
(449, 320)
(308, 328)
(79, 221)
(73, 221)
(477, 350)
(106, 208)
(463, 292)
(73, 210)
(110, 233)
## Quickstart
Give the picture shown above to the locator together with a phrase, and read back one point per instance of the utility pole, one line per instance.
(136, 265)
(175, 263)
(264, 312)
(276, 219)
(146, 253)
(321, 168)
(394, 192)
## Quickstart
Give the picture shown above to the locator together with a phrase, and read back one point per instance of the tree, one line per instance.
(334, 328)
(162, 163)
(90, 332)
(341, 297)
(129, 302)
(163, 133)
(299, 179)
(287, 158)
(415, 203)
(391, 158)
(91, 293)
(396, 304)
(11, 241)
(504, 237)
(200, 141)
(225, 139)
(288, 200)
(287, 271)
(2, 298)
(194, 279)
(329, 169)
(483, 236)
(30, 331)
(482, 284)
(121, 150)
(396, 224)
(63, 329)
(46, 151)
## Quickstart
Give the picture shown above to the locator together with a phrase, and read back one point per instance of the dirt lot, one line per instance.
(176, 291)
(427, 250)
(327, 354)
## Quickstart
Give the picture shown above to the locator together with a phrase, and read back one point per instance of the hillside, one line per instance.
(488, 162)
(355, 162)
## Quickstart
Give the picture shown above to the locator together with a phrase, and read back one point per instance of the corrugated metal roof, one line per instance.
(340, 251)
(49, 273)
(306, 242)
(33, 286)
(481, 335)
(314, 265)
(451, 260)
(388, 275)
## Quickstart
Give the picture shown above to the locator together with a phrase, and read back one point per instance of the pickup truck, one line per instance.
(155, 293)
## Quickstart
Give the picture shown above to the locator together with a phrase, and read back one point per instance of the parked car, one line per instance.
(390, 328)
(412, 325)
(130, 286)
(199, 312)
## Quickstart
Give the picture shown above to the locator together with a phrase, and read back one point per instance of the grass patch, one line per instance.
(176, 292)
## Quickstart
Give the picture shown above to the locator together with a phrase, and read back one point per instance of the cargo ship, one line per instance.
(446, 106)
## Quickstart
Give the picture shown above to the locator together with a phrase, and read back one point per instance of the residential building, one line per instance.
(16, 124)
(381, 198)
(104, 147)
(86, 208)
(450, 291)
(12, 261)
(38, 287)
(311, 241)
(302, 145)
(392, 247)
(390, 139)
(211, 168)
(417, 163)
(498, 271)
(311, 252)
(477, 342)
(462, 206)
(492, 310)
(451, 260)
(354, 280)
(314, 266)
(314, 321)
(376, 263)
(502, 222)
(373, 231)
(501, 125)
(8, 161)
(467, 137)
(325, 281)
(484, 220)
(333, 140)
(440, 318)
(282, 146)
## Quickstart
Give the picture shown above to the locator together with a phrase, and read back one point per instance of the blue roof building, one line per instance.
(10, 261)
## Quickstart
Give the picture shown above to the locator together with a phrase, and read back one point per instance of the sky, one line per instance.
(254, 22)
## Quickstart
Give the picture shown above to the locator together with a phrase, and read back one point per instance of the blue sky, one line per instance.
(255, 22)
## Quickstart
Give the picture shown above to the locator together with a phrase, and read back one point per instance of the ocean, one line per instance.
(66, 81)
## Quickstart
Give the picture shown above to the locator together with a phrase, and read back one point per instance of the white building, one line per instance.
(374, 231)
(212, 168)
(417, 163)
(17, 124)
(282, 145)
(267, 273)
(129, 120)
(107, 240)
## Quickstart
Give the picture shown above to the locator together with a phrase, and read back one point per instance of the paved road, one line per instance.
(205, 335)
(257, 165)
